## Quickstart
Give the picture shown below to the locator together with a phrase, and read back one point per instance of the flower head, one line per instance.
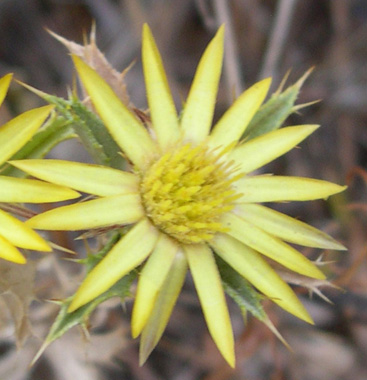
(13, 135)
(189, 195)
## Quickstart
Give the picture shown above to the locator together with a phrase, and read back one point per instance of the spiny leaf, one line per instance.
(95, 136)
(240, 290)
(56, 130)
(90, 129)
(313, 285)
(246, 297)
(65, 321)
(92, 260)
(275, 111)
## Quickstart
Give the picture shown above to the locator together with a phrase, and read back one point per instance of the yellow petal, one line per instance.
(161, 105)
(20, 235)
(126, 255)
(199, 108)
(16, 132)
(234, 122)
(10, 253)
(92, 179)
(150, 281)
(266, 188)
(4, 86)
(285, 227)
(270, 246)
(102, 212)
(261, 150)
(209, 287)
(33, 191)
(249, 264)
(124, 127)
(163, 306)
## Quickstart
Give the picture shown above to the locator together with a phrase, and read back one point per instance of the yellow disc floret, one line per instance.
(186, 191)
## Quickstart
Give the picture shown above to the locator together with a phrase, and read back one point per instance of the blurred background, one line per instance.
(263, 38)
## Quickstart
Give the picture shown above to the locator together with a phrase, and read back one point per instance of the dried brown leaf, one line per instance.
(16, 290)
(313, 285)
(91, 55)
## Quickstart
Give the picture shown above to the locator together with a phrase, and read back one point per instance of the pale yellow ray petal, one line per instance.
(210, 291)
(33, 191)
(249, 264)
(259, 151)
(125, 128)
(161, 105)
(285, 227)
(10, 253)
(16, 132)
(163, 306)
(150, 282)
(101, 212)
(270, 246)
(92, 179)
(234, 122)
(199, 108)
(19, 234)
(4, 86)
(126, 255)
(267, 188)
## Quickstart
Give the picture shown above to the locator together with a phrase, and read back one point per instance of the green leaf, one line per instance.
(65, 321)
(91, 131)
(95, 136)
(241, 291)
(56, 130)
(93, 259)
(246, 297)
(275, 111)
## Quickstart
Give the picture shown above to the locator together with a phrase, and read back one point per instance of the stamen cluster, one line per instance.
(187, 190)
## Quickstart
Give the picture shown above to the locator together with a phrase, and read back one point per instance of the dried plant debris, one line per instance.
(16, 293)
(91, 55)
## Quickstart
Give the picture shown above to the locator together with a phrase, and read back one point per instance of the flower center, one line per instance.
(187, 190)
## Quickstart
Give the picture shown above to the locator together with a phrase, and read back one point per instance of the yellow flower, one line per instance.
(13, 135)
(189, 195)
